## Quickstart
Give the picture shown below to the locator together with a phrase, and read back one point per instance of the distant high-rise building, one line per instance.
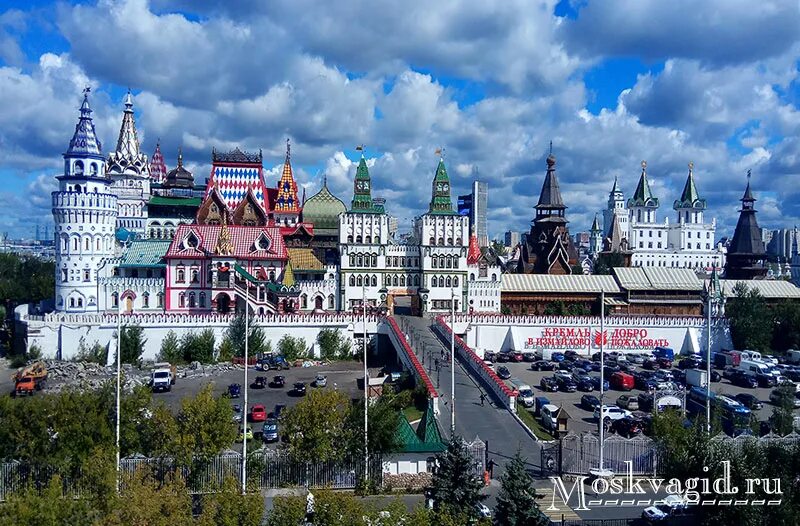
(766, 236)
(480, 202)
(781, 243)
(511, 238)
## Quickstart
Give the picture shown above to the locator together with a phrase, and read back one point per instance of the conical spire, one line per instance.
(748, 198)
(362, 187)
(440, 191)
(474, 251)
(286, 201)
(550, 196)
(595, 225)
(84, 141)
(158, 168)
(288, 275)
(643, 196)
(689, 196)
(615, 188)
(746, 251)
(127, 158)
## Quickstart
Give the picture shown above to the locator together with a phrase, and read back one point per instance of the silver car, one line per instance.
(321, 380)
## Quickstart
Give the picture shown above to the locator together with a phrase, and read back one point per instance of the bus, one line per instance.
(735, 417)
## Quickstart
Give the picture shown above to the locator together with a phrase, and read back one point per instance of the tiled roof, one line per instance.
(654, 278)
(769, 288)
(243, 239)
(558, 283)
(145, 253)
(232, 179)
(304, 259)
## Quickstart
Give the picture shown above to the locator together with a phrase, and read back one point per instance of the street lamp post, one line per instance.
(452, 363)
(366, 383)
(119, 369)
(246, 360)
(708, 362)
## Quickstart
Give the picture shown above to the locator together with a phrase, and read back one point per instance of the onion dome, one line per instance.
(180, 177)
(323, 209)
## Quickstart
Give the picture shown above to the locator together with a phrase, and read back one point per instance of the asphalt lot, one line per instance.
(583, 421)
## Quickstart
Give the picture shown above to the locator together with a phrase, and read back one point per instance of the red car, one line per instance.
(517, 356)
(258, 413)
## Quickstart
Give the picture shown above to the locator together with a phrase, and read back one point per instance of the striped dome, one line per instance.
(323, 209)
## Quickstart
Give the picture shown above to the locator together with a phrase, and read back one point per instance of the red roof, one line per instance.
(289, 230)
(474, 252)
(243, 239)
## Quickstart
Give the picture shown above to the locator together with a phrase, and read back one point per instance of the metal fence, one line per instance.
(477, 448)
(265, 470)
(594, 522)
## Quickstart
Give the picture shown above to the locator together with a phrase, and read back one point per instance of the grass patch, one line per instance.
(412, 413)
(526, 416)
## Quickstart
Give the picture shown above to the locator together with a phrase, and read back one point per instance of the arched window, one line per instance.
(494, 276)
(160, 299)
(146, 300)
(97, 244)
(374, 281)
(303, 301)
(358, 239)
(349, 239)
(114, 299)
(202, 300)
(416, 281)
(359, 281)
(432, 241)
(352, 260)
(63, 275)
(448, 282)
(191, 300)
(195, 273)
(449, 240)
(434, 281)
(331, 302)
(181, 275)
(75, 243)
(402, 281)
(448, 262)
(80, 302)
(352, 281)
(374, 260)
(441, 241)
(78, 168)
(181, 300)
(472, 276)
(360, 260)
(394, 280)
(455, 281)
(377, 240)
(368, 240)
(459, 241)
(435, 262)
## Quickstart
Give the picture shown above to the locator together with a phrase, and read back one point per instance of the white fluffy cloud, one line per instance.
(493, 83)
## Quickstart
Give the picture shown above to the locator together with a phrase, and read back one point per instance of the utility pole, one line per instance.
(119, 369)
(245, 386)
(452, 363)
(366, 384)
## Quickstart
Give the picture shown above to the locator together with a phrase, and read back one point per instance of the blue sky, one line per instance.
(610, 83)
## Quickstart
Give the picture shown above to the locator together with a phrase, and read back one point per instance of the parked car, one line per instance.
(629, 402)
(299, 388)
(689, 363)
(651, 364)
(663, 374)
(584, 382)
(749, 401)
(503, 357)
(775, 398)
(645, 401)
(566, 384)
(259, 383)
(590, 402)
(644, 381)
(548, 414)
(729, 372)
(742, 379)
(664, 363)
(679, 376)
(636, 358)
(611, 412)
(234, 390)
(321, 381)
(483, 511)
(503, 372)
(584, 365)
(237, 412)
(278, 411)
(542, 365)
(571, 355)
(766, 380)
(622, 381)
(549, 384)
(278, 381)
(538, 403)
(557, 357)
(715, 376)
(489, 356)
(529, 356)
(269, 433)
(596, 382)
(517, 356)
(258, 413)
(627, 426)
(245, 431)
(672, 505)
(566, 365)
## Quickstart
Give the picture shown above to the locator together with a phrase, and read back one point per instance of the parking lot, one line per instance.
(582, 420)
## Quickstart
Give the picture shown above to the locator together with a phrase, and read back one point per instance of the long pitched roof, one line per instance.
(145, 253)
(243, 239)
(579, 283)
(769, 288)
(656, 278)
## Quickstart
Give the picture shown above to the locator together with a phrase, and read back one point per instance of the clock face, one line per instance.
(445, 187)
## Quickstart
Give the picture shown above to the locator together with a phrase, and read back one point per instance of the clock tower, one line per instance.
(362, 189)
(440, 194)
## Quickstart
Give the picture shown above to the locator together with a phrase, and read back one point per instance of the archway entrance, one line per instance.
(128, 304)
(318, 303)
(223, 303)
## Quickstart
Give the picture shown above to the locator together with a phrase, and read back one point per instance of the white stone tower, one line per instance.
(129, 171)
(85, 214)
(616, 208)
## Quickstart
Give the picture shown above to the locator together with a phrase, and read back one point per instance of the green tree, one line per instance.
(455, 488)
(205, 426)
(198, 347)
(236, 331)
(132, 344)
(97, 353)
(607, 261)
(46, 507)
(226, 350)
(577, 268)
(750, 319)
(516, 503)
(317, 426)
(334, 345)
(292, 348)
(228, 507)
(383, 418)
(499, 248)
(170, 349)
(782, 418)
(145, 500)
(787, 326)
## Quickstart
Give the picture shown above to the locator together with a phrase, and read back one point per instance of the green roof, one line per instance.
(428, 429)
(323, 208)
(690, 198)
(643, 196)
(145, 253)
(441, 204)
(410, 442)
(158, 200)
(362, 191)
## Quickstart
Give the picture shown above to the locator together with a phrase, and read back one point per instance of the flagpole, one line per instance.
(602, 372)
(119, 369)
(452, 363)
(244, 411)
(366, 382)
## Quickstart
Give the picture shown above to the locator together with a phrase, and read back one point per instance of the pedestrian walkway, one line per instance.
(491, 422)
(556, 509)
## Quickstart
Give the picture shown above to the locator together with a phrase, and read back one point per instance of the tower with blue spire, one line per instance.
(85, 214)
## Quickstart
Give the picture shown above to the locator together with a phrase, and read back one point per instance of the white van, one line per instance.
(525, 395)
(751, 355)
(754, 366)
(548, 413)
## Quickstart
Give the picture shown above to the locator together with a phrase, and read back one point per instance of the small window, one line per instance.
(86, 274)
(160, 297)
(432, 241)
(146, 300)
(349, 239)
(374, 281)
(181, 276)
(331, 304)
(374, 260)
(359, 281)
(114, 299)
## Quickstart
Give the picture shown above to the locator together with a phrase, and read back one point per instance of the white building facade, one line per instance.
(85, 213)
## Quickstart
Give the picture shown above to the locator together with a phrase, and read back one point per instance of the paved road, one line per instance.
(491, 423)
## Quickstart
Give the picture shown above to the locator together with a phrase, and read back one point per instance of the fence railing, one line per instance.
(265, 470)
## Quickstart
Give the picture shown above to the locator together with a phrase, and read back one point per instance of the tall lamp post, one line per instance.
(601, 471)
(246, 363)
(119, 370)
(366, 382)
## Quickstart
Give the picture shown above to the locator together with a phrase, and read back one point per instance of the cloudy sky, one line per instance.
(609, 83)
